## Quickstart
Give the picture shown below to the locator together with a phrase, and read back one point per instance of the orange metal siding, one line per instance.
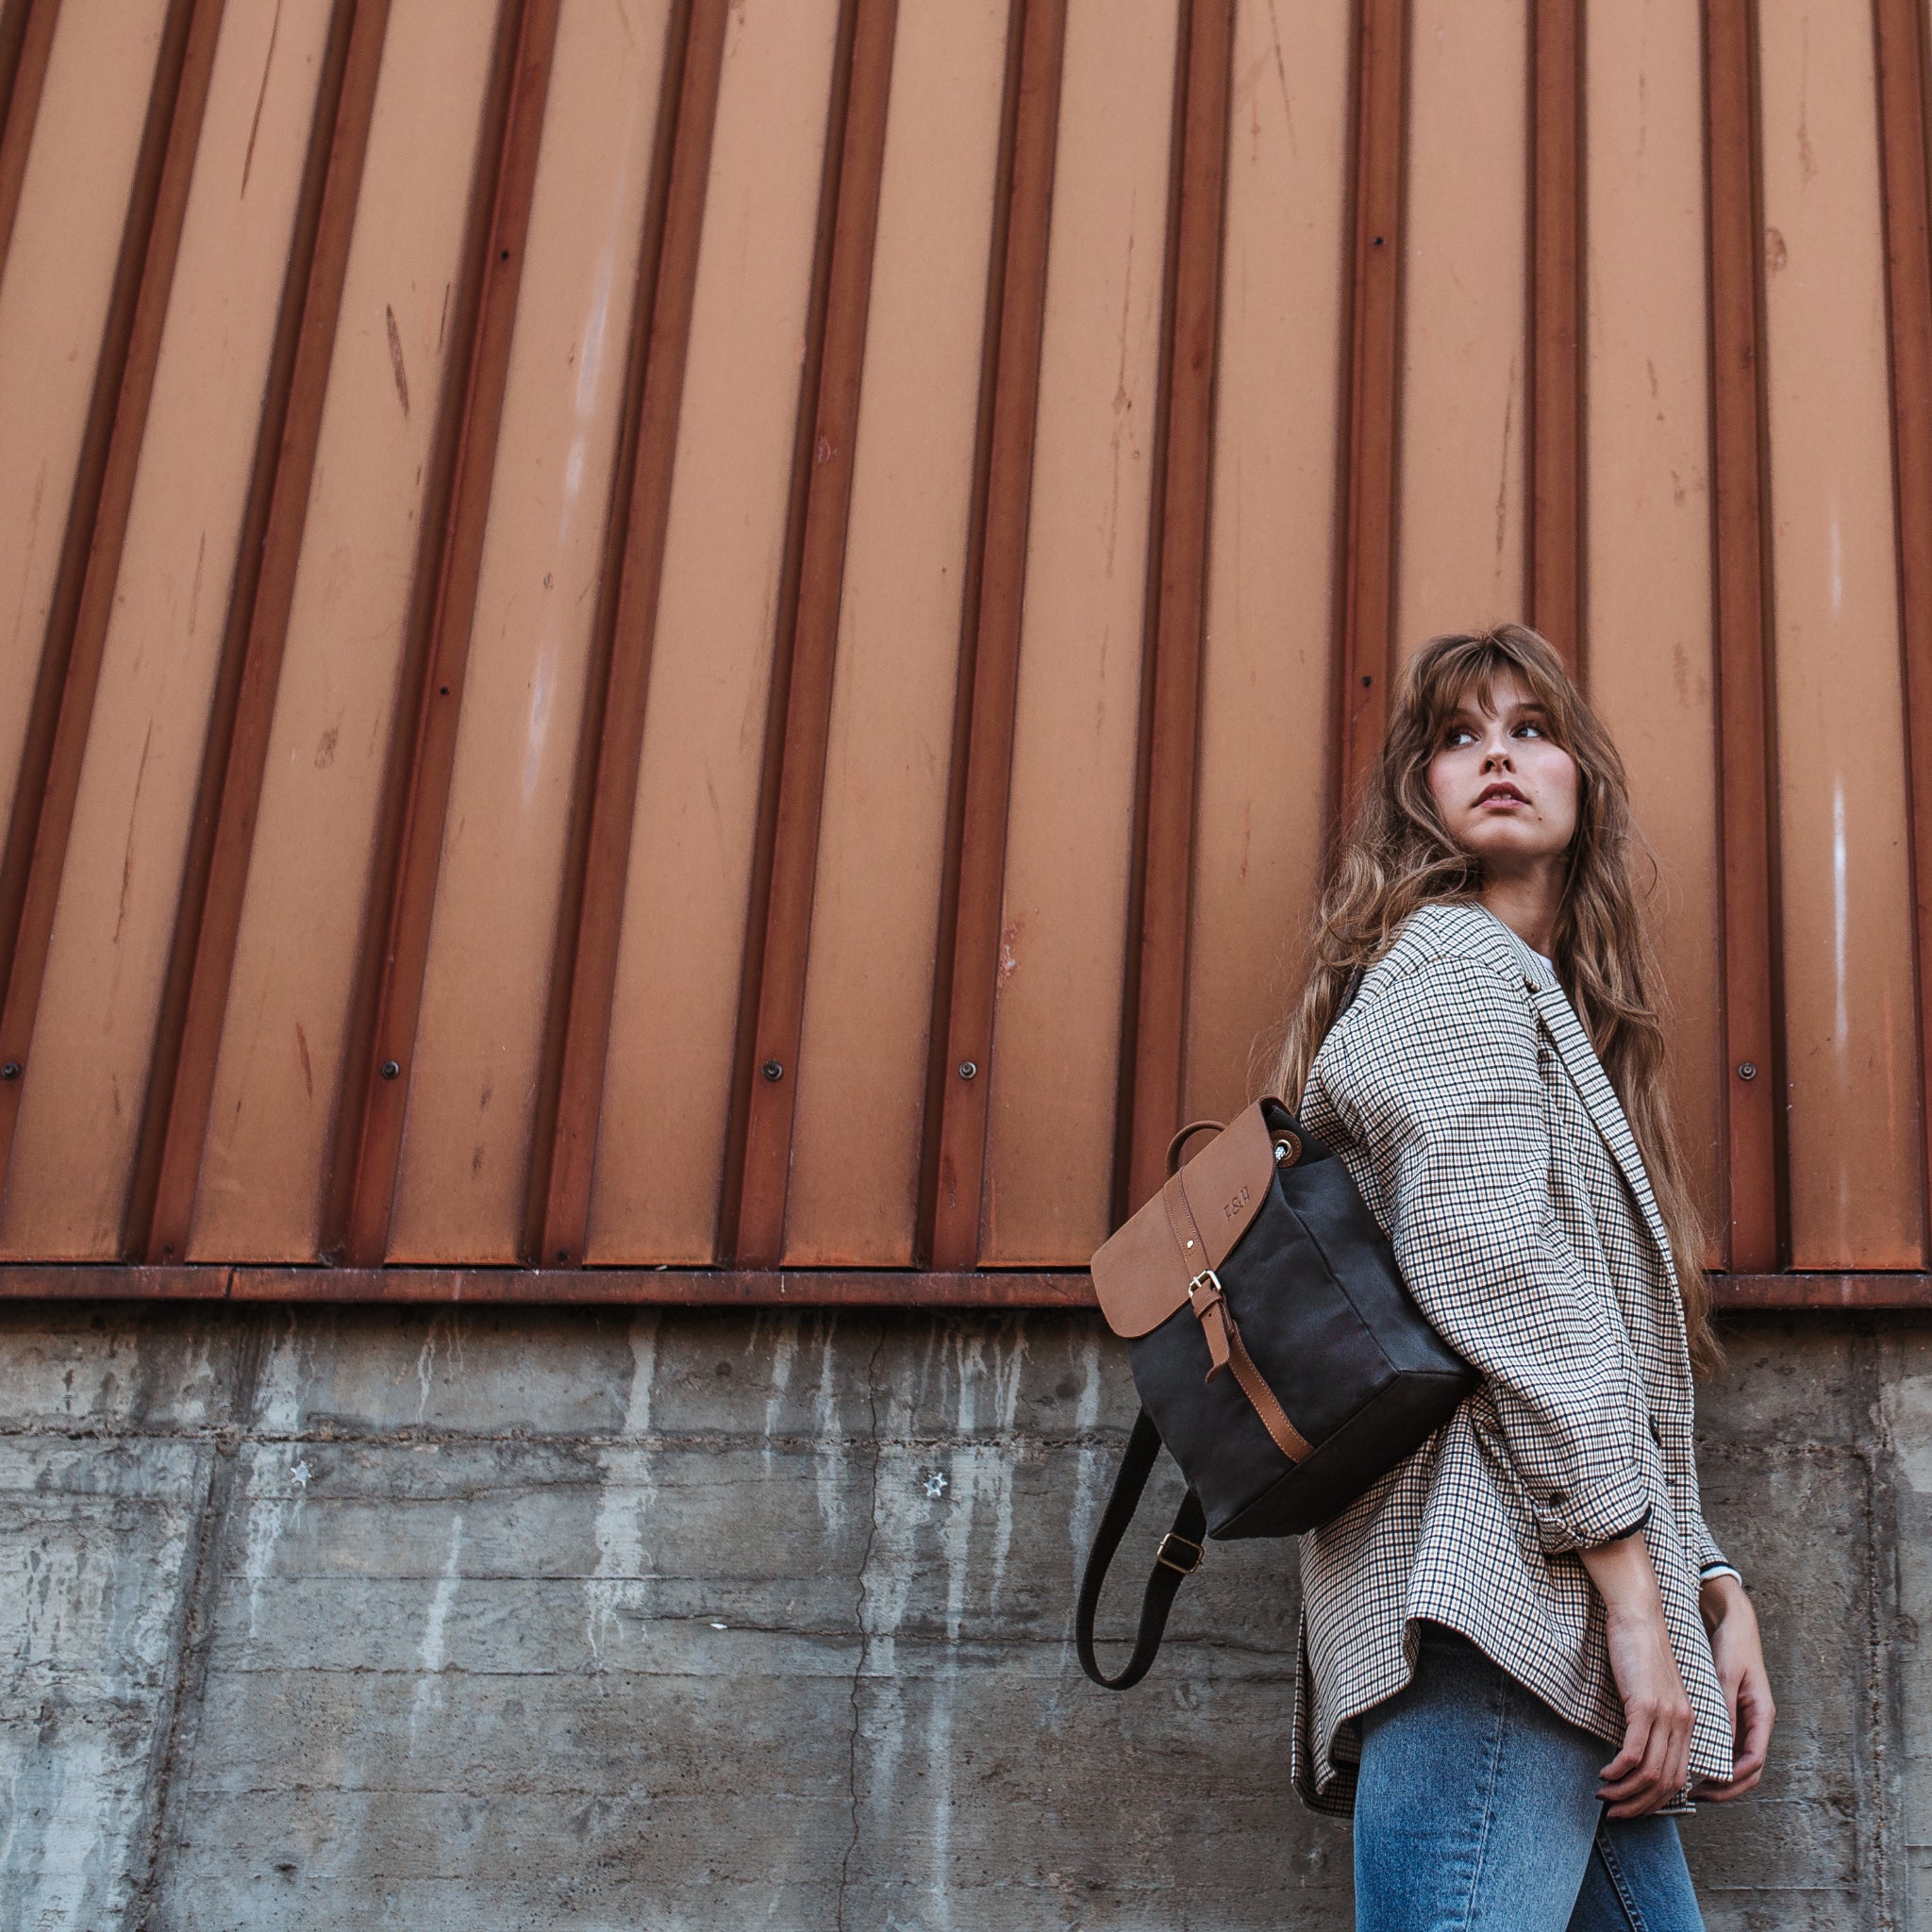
(1851, 1055)
(1647, 636)
(285, 1046)
(668, 1081)
(867, 1020)
(1459, 551)
(1270, 617)
(1061, 969)
(168, 614)
(473, 1090)
(595, 600)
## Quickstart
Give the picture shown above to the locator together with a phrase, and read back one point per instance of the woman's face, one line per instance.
(1506, 788)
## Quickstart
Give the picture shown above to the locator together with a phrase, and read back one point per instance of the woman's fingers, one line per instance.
(1652, 1767)
(1636, 1737)
(1678, 1775)
(1633, 1790)
(1722, 1794)
(1756, 1715)
(1752, 1715)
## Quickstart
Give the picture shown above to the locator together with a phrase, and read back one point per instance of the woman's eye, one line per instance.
(1458, 734)
(1529, 729)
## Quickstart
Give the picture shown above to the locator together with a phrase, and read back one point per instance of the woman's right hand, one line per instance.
(1653, 1767)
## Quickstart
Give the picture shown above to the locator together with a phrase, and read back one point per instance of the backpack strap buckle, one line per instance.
(1173, 1562)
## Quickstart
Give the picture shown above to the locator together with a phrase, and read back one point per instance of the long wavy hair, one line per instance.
(1398, 856)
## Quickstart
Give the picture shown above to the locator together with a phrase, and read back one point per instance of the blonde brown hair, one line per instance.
(1398, 856)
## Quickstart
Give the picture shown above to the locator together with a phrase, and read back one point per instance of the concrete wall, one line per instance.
(473, 1619)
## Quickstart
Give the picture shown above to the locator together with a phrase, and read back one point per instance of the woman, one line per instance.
(1536, 1583)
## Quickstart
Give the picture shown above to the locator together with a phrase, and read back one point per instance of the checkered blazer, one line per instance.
(1465, 1099)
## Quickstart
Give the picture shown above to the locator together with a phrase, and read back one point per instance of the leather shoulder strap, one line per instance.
(1178, 1559)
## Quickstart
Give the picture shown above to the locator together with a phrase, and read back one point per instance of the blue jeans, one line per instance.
(1477, 1811)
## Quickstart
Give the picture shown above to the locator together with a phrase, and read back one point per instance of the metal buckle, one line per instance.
(1206, 1275)
(1186, 1569)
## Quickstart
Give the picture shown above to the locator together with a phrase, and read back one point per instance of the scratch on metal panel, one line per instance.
(194, 587)
(1281, 77)
(26, 551)
(1502, 479)
(134, 822)
(1009, 957)
(1123, 400)
(395, 355)
(255, 126)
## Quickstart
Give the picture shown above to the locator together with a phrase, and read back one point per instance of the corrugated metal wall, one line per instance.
(660, 632)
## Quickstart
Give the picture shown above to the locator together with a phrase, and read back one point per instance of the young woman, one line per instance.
(1521, 1651)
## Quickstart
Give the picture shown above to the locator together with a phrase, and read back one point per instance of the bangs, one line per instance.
(1468, 671)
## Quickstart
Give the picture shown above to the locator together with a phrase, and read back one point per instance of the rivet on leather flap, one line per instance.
(1140, 1274)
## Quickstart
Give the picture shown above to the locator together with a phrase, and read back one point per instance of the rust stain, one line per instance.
(443, 323)
(308, 1068)
(325, 749)
(1807, 160)
(133, 825)
(1776, 254)
(1009, 956)
(395, 358)
(255, 126)
(477, 1160)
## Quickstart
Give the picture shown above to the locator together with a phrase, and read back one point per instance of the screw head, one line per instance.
(968, 1068)
(1747, 1070)
(773, 1070)
(10, 1071)
(390, 1069)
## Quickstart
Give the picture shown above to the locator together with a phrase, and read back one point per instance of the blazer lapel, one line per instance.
(1566, 1033)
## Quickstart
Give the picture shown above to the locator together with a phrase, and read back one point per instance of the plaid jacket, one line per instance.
(1465, 1099)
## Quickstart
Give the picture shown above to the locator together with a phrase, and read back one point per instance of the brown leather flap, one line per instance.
(1141, 1274)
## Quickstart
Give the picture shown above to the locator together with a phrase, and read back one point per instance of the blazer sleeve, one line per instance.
(1438, 1079)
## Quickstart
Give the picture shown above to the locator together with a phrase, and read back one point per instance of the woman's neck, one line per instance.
(1527, 904)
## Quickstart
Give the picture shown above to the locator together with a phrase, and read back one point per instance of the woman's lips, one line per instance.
(1501, 795)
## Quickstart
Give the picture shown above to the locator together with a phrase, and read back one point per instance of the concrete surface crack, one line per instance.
(872, 1534)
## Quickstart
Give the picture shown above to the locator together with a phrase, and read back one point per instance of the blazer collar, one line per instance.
(1599, 1097)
